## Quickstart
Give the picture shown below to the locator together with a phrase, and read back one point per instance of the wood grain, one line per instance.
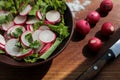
(75, 59)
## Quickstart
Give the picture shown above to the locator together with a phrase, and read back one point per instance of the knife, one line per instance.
(110, 54)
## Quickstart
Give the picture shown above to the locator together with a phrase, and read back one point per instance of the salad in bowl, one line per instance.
(31, 30)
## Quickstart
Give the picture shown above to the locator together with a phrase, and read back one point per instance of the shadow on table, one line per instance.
(91, 59)
(30, 73)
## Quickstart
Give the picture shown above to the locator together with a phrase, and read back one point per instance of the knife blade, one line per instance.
(110, 54)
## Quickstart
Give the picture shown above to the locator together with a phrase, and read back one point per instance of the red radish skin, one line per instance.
(39, 15)
(94, 44)
(26, 10)
(29, 27)
(53, 16)
(93, 17)
(48, 22)
(83, 27)
(47, 36)
(107, 29)
(20, 20)
(106, 6)
(2, 47)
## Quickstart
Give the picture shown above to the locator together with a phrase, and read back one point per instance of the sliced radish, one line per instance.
(23, 40)
(47, 36)
(2, 12)
(32, 21)
(36, 34)
(6, 26)
(13, 29)
(40, 48)
(2, 40)
(39, 15)
(45, 48)
(29, 27)
(2, 47)
(20, 19)
(53, 16)
(26, 10)
(13, 50)
(48, 22)
(44, 27)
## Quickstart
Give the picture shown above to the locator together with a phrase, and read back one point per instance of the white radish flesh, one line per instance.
(53, 16)
(47, 36)
(26, 10)
(20, 19)
(35, 34)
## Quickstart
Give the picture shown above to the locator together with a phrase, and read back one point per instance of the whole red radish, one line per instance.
(93, 17)
(83, 27)
(107, 29)
(106, 6)
(94, 44)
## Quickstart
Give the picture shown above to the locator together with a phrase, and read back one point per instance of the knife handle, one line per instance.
(96, 67)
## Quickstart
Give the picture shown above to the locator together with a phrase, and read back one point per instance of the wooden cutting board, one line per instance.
(75, 58)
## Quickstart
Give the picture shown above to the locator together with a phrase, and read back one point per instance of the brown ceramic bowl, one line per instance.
(68, 22)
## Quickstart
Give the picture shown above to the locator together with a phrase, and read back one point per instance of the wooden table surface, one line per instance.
(75, 59)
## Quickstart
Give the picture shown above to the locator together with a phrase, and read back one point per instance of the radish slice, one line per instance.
(44, 27)
(13, 29)
(26, 10)
(2, 40)
(39, 15)
(23, 40)
(2, 12)
(13, 50)
(29, 27)
(47, 36)
(36, 34)
(45, 48)
(48, 22)
(53, 16)
(7, 36)
(32, 21)
(2, 47)
(6, 26)
(20, 19)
